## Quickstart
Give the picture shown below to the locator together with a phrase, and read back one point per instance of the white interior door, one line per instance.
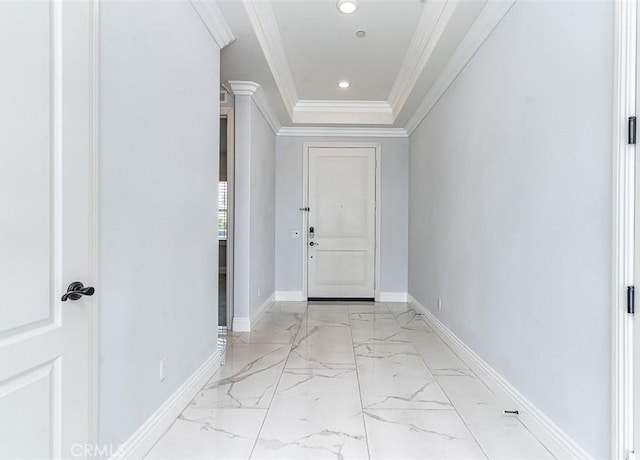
(45, 228)
(341, 233)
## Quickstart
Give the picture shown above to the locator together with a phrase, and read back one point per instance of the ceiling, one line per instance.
(298, 50)
(322, 47)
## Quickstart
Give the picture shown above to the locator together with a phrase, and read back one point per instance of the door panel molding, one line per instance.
(305, 204)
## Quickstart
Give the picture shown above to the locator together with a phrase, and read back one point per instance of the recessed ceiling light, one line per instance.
(361, 34)
(347, 6)
(343, 84)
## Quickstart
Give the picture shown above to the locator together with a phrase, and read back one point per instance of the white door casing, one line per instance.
(626, 215)
(635, 320)
(47, 234)
(341, 196)
(228, 113)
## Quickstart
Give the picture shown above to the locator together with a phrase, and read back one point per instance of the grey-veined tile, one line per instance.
(434, 351)
(322, 347)
(420, 435)
(376, 328)
(247, 379)
(393, 376)
(210, 433)
(315, 414)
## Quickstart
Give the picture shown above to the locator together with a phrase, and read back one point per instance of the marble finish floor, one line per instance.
(344, 381)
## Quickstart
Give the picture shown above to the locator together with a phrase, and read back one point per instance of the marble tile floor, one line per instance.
(344, 381)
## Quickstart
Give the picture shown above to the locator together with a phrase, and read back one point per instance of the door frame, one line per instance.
(305, 204)
(94, 199)
(624, 214)
(228, 112)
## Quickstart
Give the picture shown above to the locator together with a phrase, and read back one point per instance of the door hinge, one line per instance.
(632, 130)
(631, 300)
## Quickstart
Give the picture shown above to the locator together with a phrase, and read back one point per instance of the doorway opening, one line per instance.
(225, 219)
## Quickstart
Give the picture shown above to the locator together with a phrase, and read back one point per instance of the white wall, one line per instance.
(393, 211)
(159, 90)
(263, 209)
(254, 210)
(510, 209)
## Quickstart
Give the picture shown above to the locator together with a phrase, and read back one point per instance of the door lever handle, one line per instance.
(313, 244)
(76, 290)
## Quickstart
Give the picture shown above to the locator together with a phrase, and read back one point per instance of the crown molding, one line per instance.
(295, 131)
(432, 24)
(253, 90)
(487, 21)
(214, 21)
(243, 88)
(346, 112)
(265, 27)
(345, 106)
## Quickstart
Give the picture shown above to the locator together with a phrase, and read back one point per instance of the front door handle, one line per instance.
(76, 290)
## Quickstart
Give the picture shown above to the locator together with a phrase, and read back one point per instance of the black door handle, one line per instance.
(76, 290)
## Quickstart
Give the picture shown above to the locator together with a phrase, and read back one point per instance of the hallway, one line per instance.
(470, 165)
(345, 381)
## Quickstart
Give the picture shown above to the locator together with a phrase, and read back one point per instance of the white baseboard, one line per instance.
(290, 296)
(392, 297)
(241, 324)
(145, 437)
(244, 323)
(551, 435)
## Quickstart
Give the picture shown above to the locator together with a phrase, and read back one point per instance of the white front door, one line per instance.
(45, 228)
(341, 224)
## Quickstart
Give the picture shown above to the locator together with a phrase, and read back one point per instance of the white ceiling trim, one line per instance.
(253, 90)
(363, 112)
(348, 106)
(297, 131)
(243, 88)
(432, 24)
(214, 21)
(265, 26)
(487, 21)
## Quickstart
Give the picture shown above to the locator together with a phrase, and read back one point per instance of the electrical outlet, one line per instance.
(439, 303)
(163, 369)
(295, 234)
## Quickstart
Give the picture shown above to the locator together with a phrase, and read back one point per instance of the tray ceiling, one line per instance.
(298, 50)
